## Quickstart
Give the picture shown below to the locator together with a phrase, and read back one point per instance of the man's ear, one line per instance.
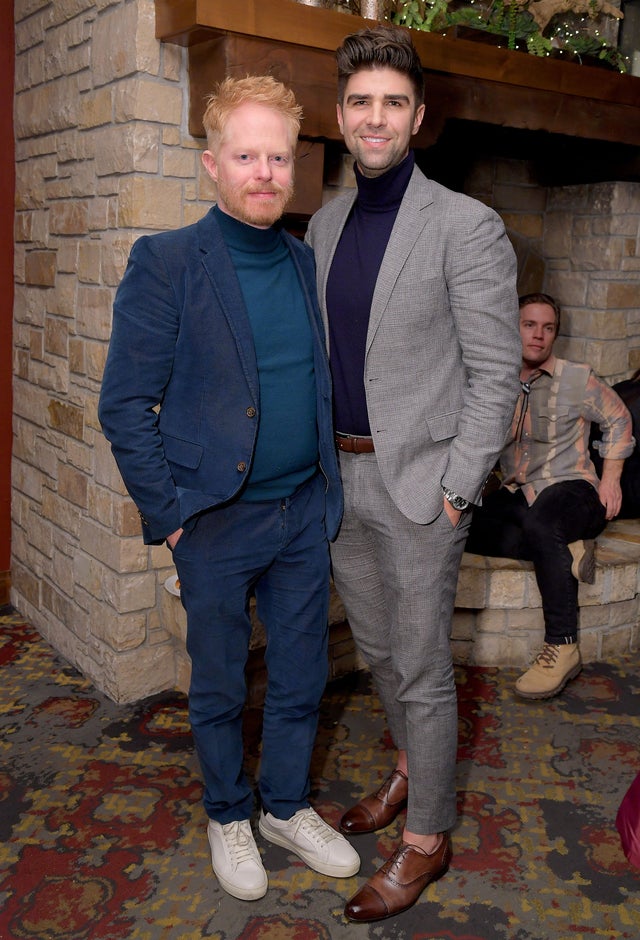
(417, 120)
(210, 165)
(339, 116)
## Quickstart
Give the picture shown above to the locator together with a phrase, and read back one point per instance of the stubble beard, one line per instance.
(260, 214)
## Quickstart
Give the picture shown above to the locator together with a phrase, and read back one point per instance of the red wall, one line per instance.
(7, 177)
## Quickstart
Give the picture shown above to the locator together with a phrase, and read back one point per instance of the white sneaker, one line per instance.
(313, 840)
(236, 861)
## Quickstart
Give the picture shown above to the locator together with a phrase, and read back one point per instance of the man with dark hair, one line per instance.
(417, 287)
(236, 470)
(551, 505)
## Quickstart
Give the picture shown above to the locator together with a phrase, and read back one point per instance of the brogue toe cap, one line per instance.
(366, 905)
(357, 819)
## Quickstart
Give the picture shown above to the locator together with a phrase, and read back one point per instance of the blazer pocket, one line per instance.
(442, 427)
(185, 453)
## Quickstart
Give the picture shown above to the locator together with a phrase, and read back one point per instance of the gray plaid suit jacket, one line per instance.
(443, 349)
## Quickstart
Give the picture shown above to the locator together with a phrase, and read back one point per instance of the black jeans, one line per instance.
(507, 527)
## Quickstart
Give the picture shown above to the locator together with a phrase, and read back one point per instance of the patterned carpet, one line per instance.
(103, 834)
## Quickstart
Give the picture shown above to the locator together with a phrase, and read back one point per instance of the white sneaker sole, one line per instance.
(243, 894)
(309, 858)
(238, 891)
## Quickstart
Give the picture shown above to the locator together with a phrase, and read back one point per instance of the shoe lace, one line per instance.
(394, 862)
(314, 827)
(383, 792)
(239, 841)
(548, 656)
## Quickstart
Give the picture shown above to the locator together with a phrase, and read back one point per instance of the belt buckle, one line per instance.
(354, 444)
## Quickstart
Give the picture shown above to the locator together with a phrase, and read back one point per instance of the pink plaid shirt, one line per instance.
(549, 440)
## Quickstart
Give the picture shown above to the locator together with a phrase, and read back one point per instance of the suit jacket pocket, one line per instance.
(442, 427)
(184, 453)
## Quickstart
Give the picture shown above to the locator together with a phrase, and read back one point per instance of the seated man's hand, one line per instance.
(611, 497)
(609, 490)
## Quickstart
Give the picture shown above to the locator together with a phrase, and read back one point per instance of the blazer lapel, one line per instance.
(411, 220)
(226, 287)
(324, 252)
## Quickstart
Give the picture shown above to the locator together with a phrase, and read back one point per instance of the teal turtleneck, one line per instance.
(286, 452)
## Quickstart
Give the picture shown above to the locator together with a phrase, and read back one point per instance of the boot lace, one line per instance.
(548, 656)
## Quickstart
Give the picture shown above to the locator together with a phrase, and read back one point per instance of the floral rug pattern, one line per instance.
(102, 832)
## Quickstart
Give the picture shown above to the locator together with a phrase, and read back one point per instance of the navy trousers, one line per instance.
(278, 550)
(507, 527)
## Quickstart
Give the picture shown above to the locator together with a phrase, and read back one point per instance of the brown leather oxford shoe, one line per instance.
(377, 810)
(399, 883)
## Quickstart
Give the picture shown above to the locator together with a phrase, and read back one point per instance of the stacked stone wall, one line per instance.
(102, 157)
(591, 241)
(581, 244)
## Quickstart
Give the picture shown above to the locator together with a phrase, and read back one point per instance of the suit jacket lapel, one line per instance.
(226, 287)
(412, 218)
(324, 254)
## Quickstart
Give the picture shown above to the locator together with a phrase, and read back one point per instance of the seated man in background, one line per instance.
(550, 499)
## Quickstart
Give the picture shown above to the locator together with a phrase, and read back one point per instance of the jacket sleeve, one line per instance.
(481, 281)
(146, 319)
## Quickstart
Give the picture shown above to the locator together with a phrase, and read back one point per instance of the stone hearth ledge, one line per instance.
(498, 617)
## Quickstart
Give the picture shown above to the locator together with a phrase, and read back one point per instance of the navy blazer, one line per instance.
(182, 340)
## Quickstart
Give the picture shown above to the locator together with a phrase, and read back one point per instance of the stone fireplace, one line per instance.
(107, 148)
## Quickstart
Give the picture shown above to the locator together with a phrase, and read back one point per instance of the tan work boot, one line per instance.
(583, 566)
(550, 672)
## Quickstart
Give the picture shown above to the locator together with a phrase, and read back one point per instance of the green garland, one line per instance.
(508, 19)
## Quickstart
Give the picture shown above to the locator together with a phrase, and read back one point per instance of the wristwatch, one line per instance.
(458, 502)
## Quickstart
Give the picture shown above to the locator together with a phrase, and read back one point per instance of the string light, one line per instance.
(576, 36)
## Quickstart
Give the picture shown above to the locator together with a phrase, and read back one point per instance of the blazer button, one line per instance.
(241, 466)
(251, 412)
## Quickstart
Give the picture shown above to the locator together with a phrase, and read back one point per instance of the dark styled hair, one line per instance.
(540, 298)
(380, 47)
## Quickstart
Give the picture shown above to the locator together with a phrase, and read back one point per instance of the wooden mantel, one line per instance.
(465, 79)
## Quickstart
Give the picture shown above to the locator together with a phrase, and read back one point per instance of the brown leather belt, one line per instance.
(350, 444)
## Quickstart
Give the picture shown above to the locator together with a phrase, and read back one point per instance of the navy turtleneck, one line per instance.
(351, 284)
